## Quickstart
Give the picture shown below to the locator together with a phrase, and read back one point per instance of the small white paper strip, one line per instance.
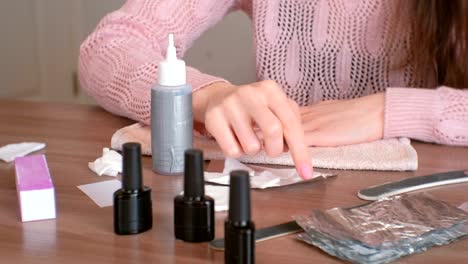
(102, 193)
(10, 152)
(109, 164)
(260, 177)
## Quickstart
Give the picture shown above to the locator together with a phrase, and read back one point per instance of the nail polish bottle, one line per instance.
(239, 230)
(133, 212)
(193, 210)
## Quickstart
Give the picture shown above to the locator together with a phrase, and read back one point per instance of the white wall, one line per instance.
(226, 50)
(19, 67)
(40, 40)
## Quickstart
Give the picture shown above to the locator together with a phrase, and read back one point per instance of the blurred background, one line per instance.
(40, 41)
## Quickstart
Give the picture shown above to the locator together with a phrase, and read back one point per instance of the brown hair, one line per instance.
(440, 38)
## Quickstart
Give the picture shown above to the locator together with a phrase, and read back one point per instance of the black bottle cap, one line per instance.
(131, 171)
(193, 174)
(239, 197)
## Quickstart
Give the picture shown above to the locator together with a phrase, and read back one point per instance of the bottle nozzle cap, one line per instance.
(171, 40)
(171, 54)
(171, 71)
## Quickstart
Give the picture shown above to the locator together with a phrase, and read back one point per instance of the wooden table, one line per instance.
(83, 232)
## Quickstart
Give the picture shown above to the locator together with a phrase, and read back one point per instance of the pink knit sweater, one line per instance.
(316, 50)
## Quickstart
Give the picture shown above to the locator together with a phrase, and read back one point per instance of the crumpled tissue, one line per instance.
(10, 152)
(261, 177)
(109, 164)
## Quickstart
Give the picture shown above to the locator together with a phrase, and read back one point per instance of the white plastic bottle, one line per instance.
(171, 115)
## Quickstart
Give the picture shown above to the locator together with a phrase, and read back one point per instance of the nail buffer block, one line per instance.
(36, 193)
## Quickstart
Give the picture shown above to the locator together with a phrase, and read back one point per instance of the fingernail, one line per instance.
(306, 171)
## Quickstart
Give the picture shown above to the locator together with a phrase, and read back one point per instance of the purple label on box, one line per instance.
(32, 173)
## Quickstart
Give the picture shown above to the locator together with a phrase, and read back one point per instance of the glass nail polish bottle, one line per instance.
(193, 210)
(239, 230)
(133, 212)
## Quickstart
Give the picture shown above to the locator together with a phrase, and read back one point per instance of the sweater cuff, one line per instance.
(199, 80)
(410, 112)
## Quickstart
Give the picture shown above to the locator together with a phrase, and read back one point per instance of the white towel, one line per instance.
(388, 154)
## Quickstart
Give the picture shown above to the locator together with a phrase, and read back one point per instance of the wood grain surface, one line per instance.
(83, 232)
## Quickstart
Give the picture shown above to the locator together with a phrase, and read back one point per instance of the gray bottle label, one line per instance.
(171, 128)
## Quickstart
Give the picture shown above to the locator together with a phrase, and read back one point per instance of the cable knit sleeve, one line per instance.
(439, 115)
(118, 61)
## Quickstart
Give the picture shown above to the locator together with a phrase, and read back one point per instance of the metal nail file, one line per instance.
(412, 184)
(265, 233)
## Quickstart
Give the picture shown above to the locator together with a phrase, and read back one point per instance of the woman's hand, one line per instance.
(231, 114)
(344, 122)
